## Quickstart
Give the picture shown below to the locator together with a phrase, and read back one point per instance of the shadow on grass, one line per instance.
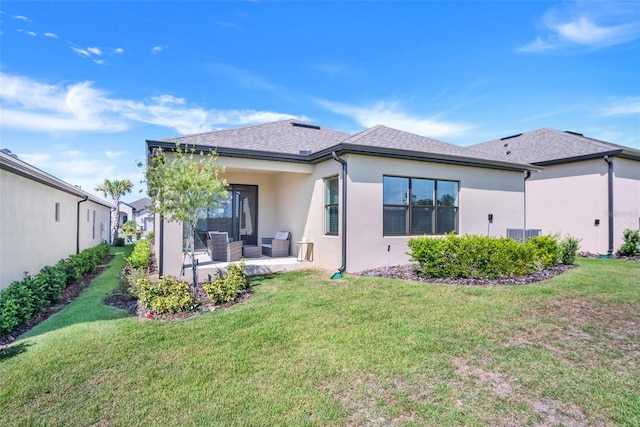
(13, 350)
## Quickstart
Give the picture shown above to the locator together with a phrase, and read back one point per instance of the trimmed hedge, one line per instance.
(31, 295)
(141, 254)
(485, 257)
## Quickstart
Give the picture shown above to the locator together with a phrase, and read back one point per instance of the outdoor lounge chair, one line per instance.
(277, 246)
(220, 249)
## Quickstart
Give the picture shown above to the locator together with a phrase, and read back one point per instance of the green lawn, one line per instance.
(307, 350)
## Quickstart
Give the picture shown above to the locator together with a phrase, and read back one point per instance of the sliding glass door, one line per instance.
(237, 214)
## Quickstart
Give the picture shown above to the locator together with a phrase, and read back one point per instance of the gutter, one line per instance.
(610, 201)
(78, 224)
(343, 267)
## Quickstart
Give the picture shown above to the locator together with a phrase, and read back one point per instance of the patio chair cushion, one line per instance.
(282, 235)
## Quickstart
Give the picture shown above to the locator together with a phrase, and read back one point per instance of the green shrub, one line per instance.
(24, 298)
(129, 277)
(631, 245)
(150, 236)
(568, 248)
(169, 295)
(472, 256)
(221, 291)
(547, 250)
(120, 241)
(141, 254)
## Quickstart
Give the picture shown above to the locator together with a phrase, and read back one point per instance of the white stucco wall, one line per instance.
(292, 198)
(481, 191)
(30, 236)
(568, 198)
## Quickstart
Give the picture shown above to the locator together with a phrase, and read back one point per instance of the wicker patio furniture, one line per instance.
(277, 246)
(220, 249)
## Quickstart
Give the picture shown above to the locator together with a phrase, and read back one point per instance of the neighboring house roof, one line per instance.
(548, 146)
(14, 165)
(294, 141)
(140, 205)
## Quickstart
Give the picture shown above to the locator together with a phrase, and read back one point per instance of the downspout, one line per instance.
(525, 201)
(610, 201)
(343, 267)
(78, 224)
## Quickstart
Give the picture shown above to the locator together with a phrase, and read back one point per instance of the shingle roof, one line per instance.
(291, 140)
(548, 145)
(285, 136)
(141, 204)
(384, 137)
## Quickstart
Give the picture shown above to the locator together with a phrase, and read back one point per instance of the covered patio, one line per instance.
(253, 266)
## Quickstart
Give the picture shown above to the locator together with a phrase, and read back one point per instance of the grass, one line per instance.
(306, 350)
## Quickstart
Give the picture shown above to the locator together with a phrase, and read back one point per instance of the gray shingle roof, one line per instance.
(282, 139)
(141, 204)
(548, 145)
(285, 136)
(384, 137)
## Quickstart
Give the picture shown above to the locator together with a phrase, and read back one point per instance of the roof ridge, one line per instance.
(192, 135)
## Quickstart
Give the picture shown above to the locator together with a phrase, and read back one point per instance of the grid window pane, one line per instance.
(331, 220)
(331, 200)
(396, 190)
(422, 220)
(422, 191)
(331, 191)
(395, 220)
(447, 219)
(447, 193)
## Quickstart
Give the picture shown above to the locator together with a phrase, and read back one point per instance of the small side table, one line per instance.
(304, 251)
(251, 251)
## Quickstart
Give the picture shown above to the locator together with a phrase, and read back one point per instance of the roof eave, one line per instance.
(342, 148)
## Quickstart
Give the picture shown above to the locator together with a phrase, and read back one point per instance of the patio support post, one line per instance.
(343, 267)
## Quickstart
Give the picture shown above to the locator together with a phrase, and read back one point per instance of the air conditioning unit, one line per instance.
(523, 234)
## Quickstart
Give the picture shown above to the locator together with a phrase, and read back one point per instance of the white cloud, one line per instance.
(626, 107)
(51, 35)
(392, 115)
(158, 49)
(34, 106)
(95, 50)
(118, 51)
(21, 18)
(591, 25)
(114, 154)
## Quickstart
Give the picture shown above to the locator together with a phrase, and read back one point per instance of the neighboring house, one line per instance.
(587, 188)
(137, 211)
(142, 215)
(43, 219)
(356, 198)
(126, 212)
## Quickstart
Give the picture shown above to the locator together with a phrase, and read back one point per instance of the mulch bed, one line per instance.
(408, 272)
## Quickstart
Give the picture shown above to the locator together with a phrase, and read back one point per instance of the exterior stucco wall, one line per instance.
(30, 236)
(568, 198)
(94, 224)
(292, 199)
(626, 197)
(481, 191)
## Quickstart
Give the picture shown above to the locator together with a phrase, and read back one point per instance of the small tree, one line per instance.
(115, 189)
(182, 187)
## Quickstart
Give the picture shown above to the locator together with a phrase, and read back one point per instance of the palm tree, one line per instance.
(115, 189)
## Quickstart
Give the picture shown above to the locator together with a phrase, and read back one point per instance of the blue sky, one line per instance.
(84, 84)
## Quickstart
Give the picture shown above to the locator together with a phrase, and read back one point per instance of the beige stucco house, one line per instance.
(43, 219)
(587, 188)
(357, 198)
